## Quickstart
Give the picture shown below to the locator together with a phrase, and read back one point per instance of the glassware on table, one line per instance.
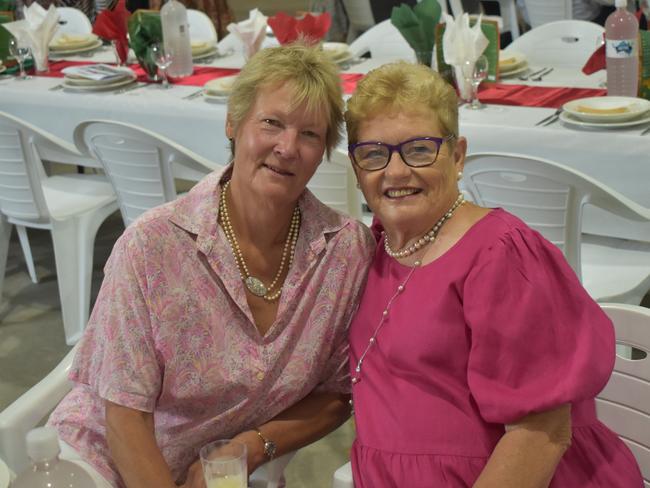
(163, 60)
(474, 73)
(19, 52)
(224, 464)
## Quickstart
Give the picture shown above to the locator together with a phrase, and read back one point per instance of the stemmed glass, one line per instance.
(19, 53)
(163, 60)
(475, 73)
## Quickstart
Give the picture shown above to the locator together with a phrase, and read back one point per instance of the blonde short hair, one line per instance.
(312, 73)
(402, 87)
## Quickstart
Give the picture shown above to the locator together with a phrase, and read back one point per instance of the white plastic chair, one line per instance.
(360, 17)
(331, 185)
(382, 41)
(545, 11)
(73, 21)
(550, 198)
(31, 408)
(140, 164)
(566, 43)
(624, 404)
(71, 207)
(201, 26)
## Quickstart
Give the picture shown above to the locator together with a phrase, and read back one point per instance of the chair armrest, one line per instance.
(28, 410)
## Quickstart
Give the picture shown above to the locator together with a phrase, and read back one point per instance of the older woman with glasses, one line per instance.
(475, 352)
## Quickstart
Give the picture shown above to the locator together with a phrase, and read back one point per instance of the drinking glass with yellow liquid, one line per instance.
(224, 464)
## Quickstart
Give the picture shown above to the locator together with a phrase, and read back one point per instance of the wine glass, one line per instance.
(163, 60)
(474, 74)
(19, 52)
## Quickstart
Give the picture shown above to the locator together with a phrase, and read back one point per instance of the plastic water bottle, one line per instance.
(47, 470)
(176, 38)
(621, 36)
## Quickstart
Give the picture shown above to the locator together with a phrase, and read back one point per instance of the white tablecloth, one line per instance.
(618, 158)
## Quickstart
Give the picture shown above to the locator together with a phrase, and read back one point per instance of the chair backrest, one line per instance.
(138, 162)
(384, 41)
(201, 26)
(21, 170)
(73, 21)
(330, 185)
(545, 11)
(624, 404)
(565, 43)
(359, 14)
(548, 196)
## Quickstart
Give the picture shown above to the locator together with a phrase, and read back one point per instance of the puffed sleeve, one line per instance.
(537, 339)
(117, 355)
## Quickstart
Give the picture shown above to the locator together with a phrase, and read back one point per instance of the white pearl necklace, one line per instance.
(357, 377)
(427, 238)
(255, 285)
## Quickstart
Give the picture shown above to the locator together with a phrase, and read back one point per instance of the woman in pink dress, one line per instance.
(475, 352)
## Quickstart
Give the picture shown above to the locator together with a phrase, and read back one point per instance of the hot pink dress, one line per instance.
(496, 328)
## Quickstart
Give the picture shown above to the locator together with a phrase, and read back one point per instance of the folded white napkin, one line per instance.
(461, 43)
(36, 31)
(250, 32)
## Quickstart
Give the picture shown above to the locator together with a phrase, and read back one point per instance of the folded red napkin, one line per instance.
(311, 27)
(534, 96)
(112, 26)
(596, 61)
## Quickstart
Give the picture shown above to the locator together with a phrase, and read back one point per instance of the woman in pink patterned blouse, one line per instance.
(224, 314)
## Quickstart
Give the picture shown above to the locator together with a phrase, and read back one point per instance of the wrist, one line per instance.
(255, 449)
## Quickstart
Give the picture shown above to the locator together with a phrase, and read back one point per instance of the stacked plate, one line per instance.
(339, 52)
(511, 63)
(606, 112)
(74, 43)
(219, 89)
(203, 49)
(96, 77)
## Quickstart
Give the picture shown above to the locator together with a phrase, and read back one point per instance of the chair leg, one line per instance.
(74, 241)
(27, 252)
(5, 235)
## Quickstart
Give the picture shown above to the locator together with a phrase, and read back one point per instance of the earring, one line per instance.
(358, 185)
(460, 175)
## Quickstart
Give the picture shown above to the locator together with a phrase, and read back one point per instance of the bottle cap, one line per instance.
(620, 3)
(42, 444)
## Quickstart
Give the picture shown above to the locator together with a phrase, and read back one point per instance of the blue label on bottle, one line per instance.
(621, 48)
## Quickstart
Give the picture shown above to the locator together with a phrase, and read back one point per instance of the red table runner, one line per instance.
(534, 96)
(200, 76)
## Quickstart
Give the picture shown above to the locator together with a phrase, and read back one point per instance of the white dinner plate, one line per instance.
(213, 51)
(220, 86)
(571, 120)
(215, 98)
(200, 47)
(99, 87)
(510, 60)
(4, 475)
(514, 72)
(74, 41)
(607, 109)
(76, 50)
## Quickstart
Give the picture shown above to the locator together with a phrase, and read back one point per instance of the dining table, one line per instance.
(5, 475)
(616, 157)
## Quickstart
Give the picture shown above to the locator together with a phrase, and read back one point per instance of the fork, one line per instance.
(542, 75)
(526, 76)
(646, 131)
(550, 118)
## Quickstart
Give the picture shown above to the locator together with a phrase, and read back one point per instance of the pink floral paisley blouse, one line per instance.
(171, 332)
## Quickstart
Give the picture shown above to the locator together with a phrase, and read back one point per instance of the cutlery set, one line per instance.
(193, 95)
(550, 119)
(536, 75)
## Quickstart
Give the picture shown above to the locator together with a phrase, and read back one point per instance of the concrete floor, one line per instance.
(32, 343)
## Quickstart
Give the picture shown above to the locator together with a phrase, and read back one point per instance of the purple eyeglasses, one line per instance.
(416, 152)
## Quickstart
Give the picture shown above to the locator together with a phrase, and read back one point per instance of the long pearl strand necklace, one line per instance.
(255, 285)
(428, 238)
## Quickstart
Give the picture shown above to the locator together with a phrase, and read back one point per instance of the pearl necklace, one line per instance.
(427, 238)
(255, 285)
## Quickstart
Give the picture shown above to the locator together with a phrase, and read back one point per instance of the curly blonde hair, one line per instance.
(402, 87)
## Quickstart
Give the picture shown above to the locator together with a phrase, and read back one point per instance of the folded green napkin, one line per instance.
(644, 86)
(7, 6)
(418, 26)
(4, 36)
(145, 29)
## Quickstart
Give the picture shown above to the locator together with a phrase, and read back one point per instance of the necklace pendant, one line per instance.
(255, 286)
